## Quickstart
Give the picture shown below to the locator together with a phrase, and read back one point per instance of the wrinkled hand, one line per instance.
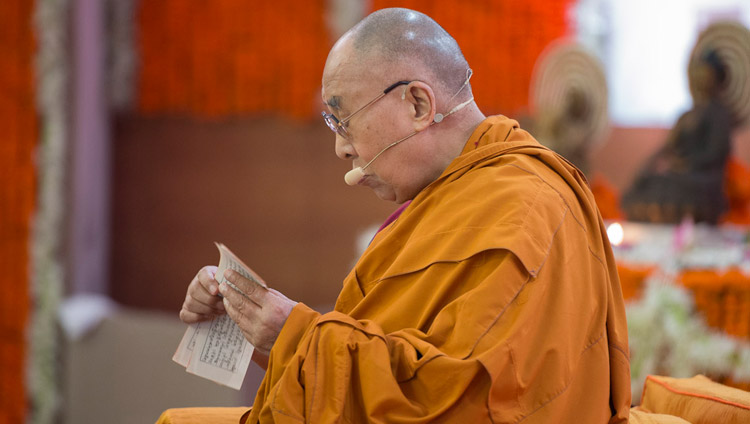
(202, 302)
(260, 315)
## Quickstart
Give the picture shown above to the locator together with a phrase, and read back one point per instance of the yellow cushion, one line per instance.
(213, 415)
(697, 399)
(639, 416)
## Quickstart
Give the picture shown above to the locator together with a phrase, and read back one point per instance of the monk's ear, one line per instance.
(422, 104)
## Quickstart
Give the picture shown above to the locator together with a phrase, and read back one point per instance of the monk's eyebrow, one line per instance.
(334, 102)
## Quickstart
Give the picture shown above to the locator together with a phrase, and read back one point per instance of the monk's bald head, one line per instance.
(403, 37)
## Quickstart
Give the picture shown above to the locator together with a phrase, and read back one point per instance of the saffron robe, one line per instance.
(493, 297)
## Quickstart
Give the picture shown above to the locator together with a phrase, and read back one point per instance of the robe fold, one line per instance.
(493, 297)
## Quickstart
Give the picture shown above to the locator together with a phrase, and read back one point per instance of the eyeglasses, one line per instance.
(339, 127)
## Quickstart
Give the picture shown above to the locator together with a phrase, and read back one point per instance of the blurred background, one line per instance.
(137, 133)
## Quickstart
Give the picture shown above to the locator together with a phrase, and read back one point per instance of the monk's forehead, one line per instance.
(348, 72)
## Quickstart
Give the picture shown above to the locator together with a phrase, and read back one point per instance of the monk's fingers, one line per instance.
(197, 299)
(247, 316)
(193, 311)
(202, 301)
(260, 325)
(237, 305)
(189, 317)
(212, 307)
(235, 312)
(250, 289)
(205, 289)
(206, 278)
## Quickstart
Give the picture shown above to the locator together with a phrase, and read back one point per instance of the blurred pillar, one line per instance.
(90, 152)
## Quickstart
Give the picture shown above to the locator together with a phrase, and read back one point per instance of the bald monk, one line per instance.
(490, 296)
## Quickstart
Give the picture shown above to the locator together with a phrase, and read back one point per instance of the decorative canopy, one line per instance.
(731, 41)
(566, 71)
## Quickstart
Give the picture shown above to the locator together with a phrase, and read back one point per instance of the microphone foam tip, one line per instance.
(352, 177)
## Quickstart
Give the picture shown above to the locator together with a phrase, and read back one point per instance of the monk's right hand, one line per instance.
(202, 301)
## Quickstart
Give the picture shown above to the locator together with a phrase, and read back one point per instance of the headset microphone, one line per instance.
(354, 176)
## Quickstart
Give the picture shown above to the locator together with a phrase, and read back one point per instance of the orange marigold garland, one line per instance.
(17, 188)
(225, 58)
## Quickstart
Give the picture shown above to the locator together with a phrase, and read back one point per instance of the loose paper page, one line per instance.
(221, 353)
(228, 260)
(217, 349)
(185, 349)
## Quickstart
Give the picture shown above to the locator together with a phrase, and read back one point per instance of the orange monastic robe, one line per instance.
(494, 297)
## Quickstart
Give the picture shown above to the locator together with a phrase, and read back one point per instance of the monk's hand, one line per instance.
(259, 312)
(202, 301)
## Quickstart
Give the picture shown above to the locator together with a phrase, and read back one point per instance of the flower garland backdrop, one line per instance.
(18, 122)
(214, 59)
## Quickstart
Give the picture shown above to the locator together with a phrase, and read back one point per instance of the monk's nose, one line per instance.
(344, 149)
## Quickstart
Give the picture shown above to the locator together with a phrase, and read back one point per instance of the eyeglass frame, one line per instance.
(338, 126)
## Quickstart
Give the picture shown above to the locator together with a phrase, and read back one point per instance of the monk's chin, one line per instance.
(386, 193)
